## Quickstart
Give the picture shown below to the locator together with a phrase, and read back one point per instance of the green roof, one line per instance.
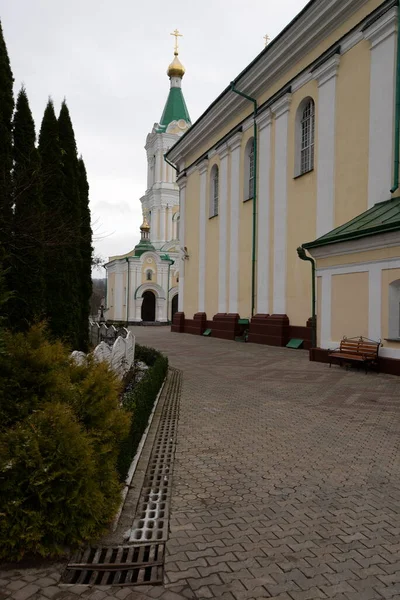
(381, 218)
(144, 246)
(174, 110)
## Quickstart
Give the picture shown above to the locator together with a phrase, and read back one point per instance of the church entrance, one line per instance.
(149, 306)
(174, 306)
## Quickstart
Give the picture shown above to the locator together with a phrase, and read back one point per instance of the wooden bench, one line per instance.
(357, 350)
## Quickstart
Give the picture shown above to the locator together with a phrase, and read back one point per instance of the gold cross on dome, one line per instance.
(176, 34)
(266, 38)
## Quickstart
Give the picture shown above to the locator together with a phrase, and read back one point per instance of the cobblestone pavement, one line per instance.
(286, 481)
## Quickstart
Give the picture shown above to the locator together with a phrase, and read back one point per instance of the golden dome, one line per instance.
(176, 68)
(145, 225)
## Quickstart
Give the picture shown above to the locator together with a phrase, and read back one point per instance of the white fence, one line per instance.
(119, 355)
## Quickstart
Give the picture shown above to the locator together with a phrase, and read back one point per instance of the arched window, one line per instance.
(394, 309)
(149, 275)
(214, 191)
(305, 134)
(249, 171)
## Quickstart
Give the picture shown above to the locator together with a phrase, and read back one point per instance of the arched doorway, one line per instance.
(174, 306)
(148, 306)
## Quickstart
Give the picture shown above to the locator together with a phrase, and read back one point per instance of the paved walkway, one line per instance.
(286, 480)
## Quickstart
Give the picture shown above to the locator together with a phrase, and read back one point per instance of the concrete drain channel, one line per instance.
(141, 560)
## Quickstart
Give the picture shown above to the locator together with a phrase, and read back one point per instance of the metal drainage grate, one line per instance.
(151, 521)
(117, 565)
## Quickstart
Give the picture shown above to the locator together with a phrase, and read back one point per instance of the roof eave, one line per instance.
(353, 236)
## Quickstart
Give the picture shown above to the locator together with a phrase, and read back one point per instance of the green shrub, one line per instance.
(140, 402)
(60, 432)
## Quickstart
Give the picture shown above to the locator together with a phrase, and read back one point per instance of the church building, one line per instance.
(298, 158)
(142, 285)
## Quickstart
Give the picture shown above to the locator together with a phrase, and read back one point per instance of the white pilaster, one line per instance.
(169, 224)
(162, 224)
(326, 76)
(326, 310)
(182, 198)
(119, 295)
(281, 111)
(264, 122)
(374, 302)
(222, 215)
(382, 36)
(203, 172)
(154, 226)
(234, 144)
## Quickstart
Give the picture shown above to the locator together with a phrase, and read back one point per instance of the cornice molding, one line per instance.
(382, 28)
(281, 106)
(248, 123)
(327, 70)
(235, 141)
(264, 119)
(305, 34)
(203, 166)
(223, 151)
(182, 181)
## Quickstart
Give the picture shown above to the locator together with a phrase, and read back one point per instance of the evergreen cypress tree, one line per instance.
(6, 112)
(57, 278)
(72, 220)
(86, 252)
(27, 279)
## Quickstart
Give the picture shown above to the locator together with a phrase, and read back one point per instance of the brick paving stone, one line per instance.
(285, 470)
(50, 591)
(26, 592)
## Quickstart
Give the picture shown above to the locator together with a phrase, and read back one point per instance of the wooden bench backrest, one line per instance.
(360, 346)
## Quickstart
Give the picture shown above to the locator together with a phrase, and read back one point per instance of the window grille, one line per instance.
(307, 138)
(251, 171)
(215, 192)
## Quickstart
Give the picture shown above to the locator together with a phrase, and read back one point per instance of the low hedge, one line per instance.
(140, 401)
(60, 431)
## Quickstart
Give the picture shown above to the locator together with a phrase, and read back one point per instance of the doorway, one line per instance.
(148, 306)
(174, 306)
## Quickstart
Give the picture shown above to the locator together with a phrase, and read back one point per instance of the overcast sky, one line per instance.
(109, 60)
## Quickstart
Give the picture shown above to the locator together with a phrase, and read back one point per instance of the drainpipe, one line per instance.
(397, 114)
(253, 252)
(171, 262)
(303, 256)
(127, 295)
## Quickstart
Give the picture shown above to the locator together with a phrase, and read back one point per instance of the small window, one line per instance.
(214, 195)
(307, 137)
(149, 275)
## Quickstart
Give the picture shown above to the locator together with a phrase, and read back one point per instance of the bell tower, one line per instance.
(161, 200)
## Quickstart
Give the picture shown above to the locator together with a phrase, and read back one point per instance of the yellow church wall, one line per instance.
(245, 237)
(271, 218)
(228, 232)
(149, 265)
(217, 133)
(301, 216)
(318, 308)
(245, 255)
(349, 312)
(388, 276)
(110, 301)
(212, 252)
(359, 257)
(191, 266)
(352, 133)
(124, 286)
